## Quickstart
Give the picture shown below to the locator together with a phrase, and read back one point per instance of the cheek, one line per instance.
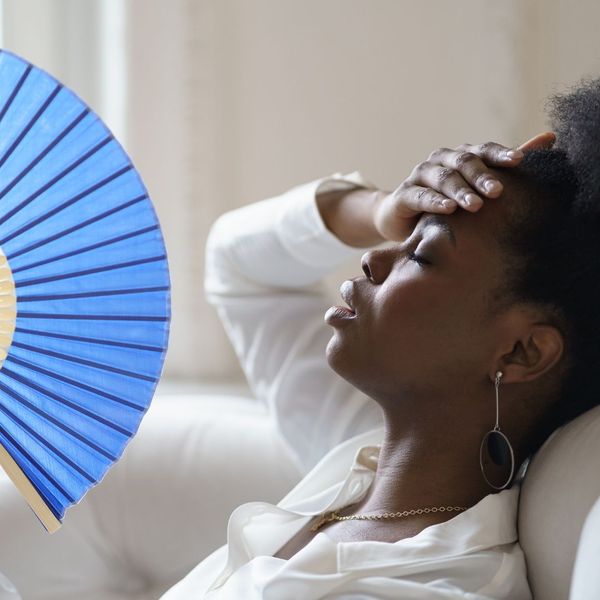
(409, 305)
(424, 322)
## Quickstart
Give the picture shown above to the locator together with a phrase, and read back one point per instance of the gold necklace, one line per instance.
(333, 516)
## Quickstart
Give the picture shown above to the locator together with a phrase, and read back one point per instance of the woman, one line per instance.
(473, 349)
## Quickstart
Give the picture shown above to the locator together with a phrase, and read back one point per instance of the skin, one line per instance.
(425, 347)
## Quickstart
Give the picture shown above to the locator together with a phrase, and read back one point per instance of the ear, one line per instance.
(532, 354)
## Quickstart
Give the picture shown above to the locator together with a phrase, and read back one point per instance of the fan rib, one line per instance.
(15, 92)
(130, 263)
(96, 294)
(77, 338)
(40, 502)
(34, 315)
(50, 183)
(66, 204)
(42, 441)
(114, 240)
(81, 225)
(84, 411)
(60, 425)
(42, 154)
(73, 382)
(83, 361)
(31, 123)
(40, 469)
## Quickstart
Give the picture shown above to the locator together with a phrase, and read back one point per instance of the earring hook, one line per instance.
(497, 383)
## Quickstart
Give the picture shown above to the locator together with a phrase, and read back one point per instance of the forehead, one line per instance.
(483, 228)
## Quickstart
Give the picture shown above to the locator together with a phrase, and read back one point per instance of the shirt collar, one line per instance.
(491, 522)
(256, 528)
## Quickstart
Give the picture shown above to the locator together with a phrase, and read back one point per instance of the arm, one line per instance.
(264, 270)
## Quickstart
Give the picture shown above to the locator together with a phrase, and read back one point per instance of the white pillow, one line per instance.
(586, 573)
(561, 484)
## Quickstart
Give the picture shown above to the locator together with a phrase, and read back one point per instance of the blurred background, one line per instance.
(225, 102)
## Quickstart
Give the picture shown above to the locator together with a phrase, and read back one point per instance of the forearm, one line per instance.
(349, 215)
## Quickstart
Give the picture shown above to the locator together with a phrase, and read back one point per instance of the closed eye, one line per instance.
(417, 258)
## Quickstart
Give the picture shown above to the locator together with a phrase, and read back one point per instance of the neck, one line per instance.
(427, 464)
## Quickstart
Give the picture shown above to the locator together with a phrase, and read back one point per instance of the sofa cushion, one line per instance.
(561, 484)
(158, 512)
(586, 573)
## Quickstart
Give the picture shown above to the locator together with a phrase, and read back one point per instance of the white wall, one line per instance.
(226, 102)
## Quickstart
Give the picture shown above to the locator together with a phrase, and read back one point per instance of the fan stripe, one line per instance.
(31, 123)
(62, 400)
(82, 361)
(114, 240)
(37, 465)
(66, 204)
(38, 437)
(130, 263)
(62, 426)
(15, 92)
(73, 382)
(44, 152)
(33, 315)
(43, 297)
(81, 225)
(77, 338)
(50, 183)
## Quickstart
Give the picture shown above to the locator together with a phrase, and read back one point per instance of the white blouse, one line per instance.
(265, 263)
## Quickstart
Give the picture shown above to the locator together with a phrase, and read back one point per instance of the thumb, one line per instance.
(542, 140)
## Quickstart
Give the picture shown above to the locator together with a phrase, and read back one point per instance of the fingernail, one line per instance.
(492, 185)
(447, 203)
(512, 154)
(472, 199)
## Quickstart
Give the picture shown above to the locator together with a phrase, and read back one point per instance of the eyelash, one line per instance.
(417, 258)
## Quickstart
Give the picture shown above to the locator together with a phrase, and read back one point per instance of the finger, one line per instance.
(415, 199)
(448, 182)
(494, 154)
(473, 170)
(542, 140)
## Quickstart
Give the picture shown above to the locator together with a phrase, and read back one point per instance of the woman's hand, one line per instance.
(446, 180)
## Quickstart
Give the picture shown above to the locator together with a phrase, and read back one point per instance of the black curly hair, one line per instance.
(552, 242)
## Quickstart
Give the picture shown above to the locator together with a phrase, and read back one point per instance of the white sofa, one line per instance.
(199, 454)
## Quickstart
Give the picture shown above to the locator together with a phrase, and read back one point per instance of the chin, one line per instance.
(340, 359)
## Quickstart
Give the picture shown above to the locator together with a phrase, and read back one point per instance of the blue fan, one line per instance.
(84, 293)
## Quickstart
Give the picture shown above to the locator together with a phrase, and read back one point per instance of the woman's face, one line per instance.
(421, 329)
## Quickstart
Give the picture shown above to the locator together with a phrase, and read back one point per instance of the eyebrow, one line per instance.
(435, 219)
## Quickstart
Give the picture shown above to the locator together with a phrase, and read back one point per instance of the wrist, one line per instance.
(349, 215)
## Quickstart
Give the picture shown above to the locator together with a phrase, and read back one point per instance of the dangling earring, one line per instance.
(498, 446)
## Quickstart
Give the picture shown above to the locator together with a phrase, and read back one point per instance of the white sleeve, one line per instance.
(264, 269)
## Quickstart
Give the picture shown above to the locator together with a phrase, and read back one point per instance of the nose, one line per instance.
(376, 264)
(372, 265)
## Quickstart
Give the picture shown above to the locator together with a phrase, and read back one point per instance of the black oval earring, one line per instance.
(497, 445)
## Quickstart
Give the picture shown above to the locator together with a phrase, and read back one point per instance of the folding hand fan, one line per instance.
(84, 293)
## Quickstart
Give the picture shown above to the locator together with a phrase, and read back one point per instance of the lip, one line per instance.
(338, 313)
(347, 293)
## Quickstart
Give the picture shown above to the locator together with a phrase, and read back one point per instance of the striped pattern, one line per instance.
(88, 267)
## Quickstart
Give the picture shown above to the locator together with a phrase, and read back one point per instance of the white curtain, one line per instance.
(224, 102)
